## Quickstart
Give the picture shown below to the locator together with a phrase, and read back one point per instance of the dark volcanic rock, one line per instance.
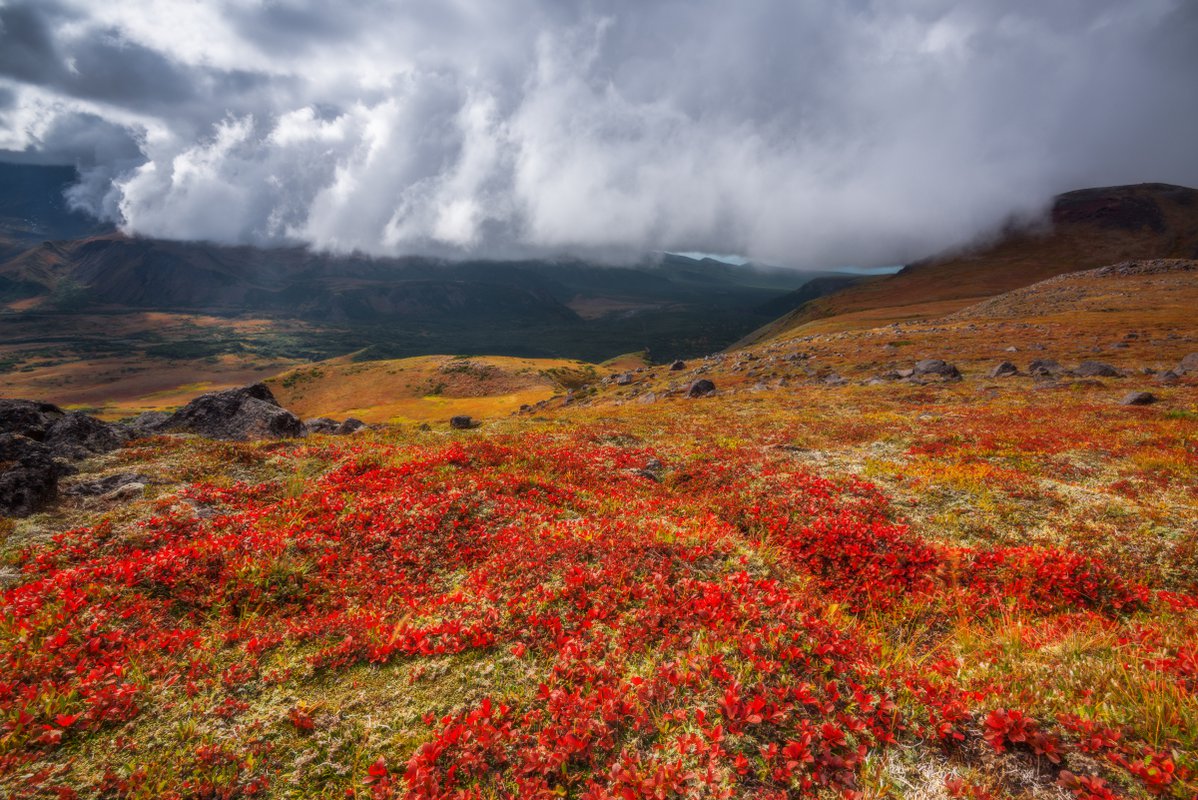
(28, 475)
(1004, 370)
(351, 425)
(677, 365)
(250, 412)
(1138, 399)
(935, 366)
(28, 417)
(700, 388)
(462, 422)
(77, 435)
(1096, 369)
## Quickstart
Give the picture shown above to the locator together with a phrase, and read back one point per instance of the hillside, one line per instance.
(1086, 229)
(841, 570)
(426, 388)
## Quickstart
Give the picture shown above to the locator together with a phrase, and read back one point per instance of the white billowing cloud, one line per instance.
(804, 133)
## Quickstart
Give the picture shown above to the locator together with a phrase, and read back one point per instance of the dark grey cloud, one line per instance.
(804, 133)
(27, 51)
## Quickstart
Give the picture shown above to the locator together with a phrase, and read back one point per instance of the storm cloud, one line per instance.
(799, 133)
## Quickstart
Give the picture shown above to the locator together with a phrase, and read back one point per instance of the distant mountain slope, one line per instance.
(1089, 228)
(812, 290)
(33, 206)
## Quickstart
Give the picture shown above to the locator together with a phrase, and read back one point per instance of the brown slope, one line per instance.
(1089, 228)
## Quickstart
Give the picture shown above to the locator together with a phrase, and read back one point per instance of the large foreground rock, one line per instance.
(250, 412)
(29, 475)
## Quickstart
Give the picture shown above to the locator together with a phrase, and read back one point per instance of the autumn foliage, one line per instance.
(726, 628)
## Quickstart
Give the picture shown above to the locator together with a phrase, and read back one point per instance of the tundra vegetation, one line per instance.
(891, 584)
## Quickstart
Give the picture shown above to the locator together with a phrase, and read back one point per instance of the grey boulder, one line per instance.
(1096, 369)
(936, 367)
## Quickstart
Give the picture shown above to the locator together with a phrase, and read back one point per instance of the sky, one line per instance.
(794, 132)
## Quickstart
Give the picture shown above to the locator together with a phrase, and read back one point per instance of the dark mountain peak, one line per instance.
(1121, 207)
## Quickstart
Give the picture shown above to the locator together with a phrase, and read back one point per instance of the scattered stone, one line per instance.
(648, 397)
(623, 379)
(903, 374)
(320, 425)
(937, 367)
(1012, 349)
(1004, 370)
(250, 412)
(1138, 399)
(652, 470)
(834, 379)
(678, 365)
(1168, 377)
(29, 475)
(105, 486)
(1045, 368)
(462, 422)
(350, 425)
(701, 388)
(126, 491)
(1188, 365)
(1096, 369)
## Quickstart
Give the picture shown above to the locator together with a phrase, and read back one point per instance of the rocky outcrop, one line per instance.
(29, 475)
(37, 440)
(250, 412)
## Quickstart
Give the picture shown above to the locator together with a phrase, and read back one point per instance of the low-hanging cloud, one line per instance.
(801, 133)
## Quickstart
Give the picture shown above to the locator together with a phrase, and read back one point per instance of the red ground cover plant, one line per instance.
(719, 632)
